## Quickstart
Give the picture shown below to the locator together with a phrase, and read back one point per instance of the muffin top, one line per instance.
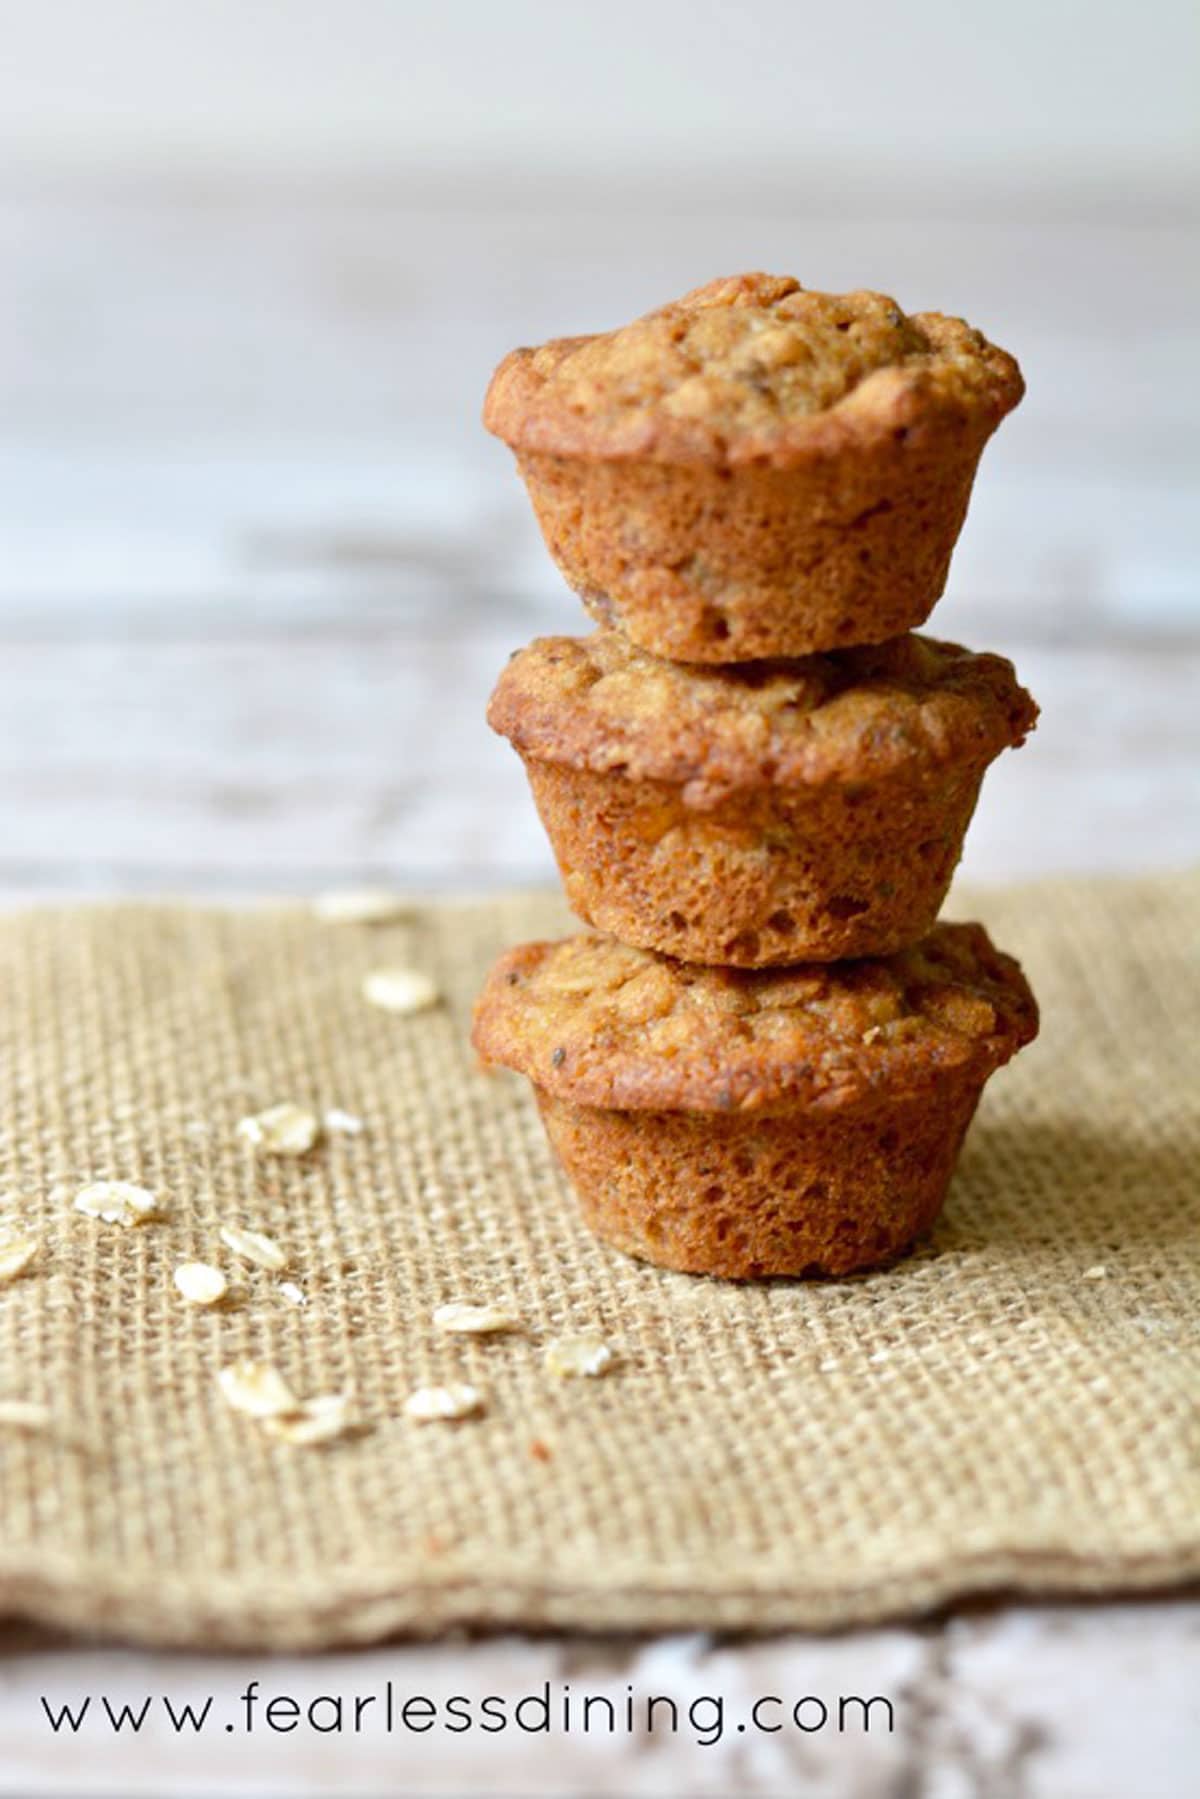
(600, 703)
(748, 368)
(599, 1023)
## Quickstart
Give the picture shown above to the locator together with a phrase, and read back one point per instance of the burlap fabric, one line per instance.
(1015, 1407)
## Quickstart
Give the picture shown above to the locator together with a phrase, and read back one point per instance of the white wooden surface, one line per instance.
(258, 569)
(302, 83)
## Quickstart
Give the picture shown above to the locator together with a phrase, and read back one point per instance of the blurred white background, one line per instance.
(259, 564)
(942, 87)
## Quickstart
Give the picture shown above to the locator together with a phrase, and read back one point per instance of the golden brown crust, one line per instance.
(750, 368)
(769, 876)
(756, 471)
(760, 813)
(708, 564)
(914, 704)
(744, 1196)
(599, 1023)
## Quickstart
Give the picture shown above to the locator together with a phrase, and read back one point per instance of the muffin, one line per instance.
(786, 1121)
(767, 812)
(755, 470)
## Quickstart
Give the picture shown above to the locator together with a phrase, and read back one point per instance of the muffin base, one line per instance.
(749, 1196)
(816, 874)
(706, 563)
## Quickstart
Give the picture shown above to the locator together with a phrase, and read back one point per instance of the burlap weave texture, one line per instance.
(1014, 1407)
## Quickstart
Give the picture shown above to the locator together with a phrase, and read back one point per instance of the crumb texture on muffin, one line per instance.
(600, 703)
(748, 1194)
(745, 366)
(797, 874)
(601, 1023)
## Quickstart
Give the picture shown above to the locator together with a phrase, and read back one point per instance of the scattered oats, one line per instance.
(400, 990)
(15, 1257)
(118, 1202)
(318, 1420)
(344, 1123)
(428, 1404)
(1101, 1384)
(573, 1357)
(360, 905)
(873, 1033)
(254, 1246)
(200, 1284)
(1098, 1273)
(257, 1389)
(283, 1130)
(474, 1321)
(828, 1366)
(23, 1414)
(294, 1295)
(880, 1355)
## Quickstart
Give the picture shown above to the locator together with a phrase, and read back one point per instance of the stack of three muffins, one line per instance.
(756, 779)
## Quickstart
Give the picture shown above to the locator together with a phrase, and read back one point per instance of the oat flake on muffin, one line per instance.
(599, 702)
(745, 367)
(605, 1024)
(797, 1121)
(755, 469)
(762, 813)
